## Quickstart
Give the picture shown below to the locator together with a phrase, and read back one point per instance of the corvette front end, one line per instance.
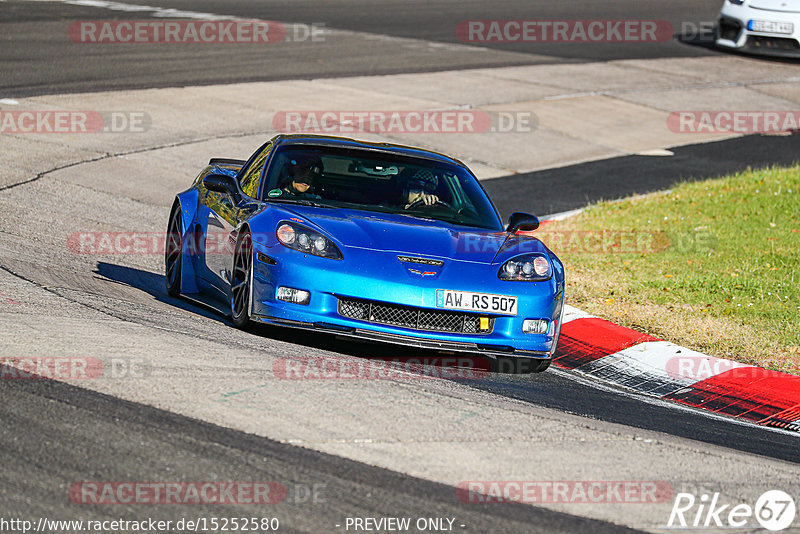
(368, 240)
(431, 301)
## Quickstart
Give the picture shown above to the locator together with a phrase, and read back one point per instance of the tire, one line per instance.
(240, 280)
(519, 366)
(543, 365)
(173, 251)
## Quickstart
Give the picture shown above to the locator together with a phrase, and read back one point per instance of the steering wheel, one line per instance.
(421, 200)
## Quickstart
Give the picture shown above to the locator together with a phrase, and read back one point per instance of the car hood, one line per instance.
(402, 233)
(785, 6)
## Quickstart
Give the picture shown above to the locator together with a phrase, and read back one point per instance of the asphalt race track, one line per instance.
(367, 37)
(567, 188)
(86, 428)
(188, 398)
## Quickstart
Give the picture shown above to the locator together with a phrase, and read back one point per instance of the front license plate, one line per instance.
(768, 26)
(478, 302)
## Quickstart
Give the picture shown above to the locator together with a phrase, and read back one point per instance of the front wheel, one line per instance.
(519, 366)
(173, 252)
(240, 280)
(541, 367)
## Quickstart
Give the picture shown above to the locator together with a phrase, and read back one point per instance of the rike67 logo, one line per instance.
(774, 510)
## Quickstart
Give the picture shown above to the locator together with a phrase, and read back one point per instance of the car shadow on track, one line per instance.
(151, 283)
(548, 390)
(154, 285)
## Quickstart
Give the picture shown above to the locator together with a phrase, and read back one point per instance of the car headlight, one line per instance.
(304, 239)
(526, 268)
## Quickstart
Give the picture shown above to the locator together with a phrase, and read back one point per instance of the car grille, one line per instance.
(414, 318)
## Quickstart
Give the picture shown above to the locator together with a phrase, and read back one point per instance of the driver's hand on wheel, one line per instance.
(419, 197)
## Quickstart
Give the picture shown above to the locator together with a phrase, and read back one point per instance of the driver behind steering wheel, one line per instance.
(418, 190)
(304, 171)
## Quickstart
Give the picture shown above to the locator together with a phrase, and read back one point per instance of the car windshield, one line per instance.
(379, 181)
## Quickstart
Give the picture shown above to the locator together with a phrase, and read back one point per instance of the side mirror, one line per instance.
(222, 183)
(524, 222)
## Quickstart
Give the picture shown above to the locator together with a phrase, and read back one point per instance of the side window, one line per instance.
(250, 179)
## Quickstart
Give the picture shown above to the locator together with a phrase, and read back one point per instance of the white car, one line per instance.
(760, 27)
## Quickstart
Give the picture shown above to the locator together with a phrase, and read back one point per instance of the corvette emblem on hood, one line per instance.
(420, 261)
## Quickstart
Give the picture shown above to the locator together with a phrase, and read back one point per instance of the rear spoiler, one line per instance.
(226, 161)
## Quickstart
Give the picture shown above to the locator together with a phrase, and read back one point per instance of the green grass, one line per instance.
(718, 267)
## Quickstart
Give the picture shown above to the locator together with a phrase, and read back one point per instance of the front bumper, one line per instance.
(406, 340)
(379, 276)
(733, 32)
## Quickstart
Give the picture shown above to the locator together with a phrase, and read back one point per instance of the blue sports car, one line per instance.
(369, 240)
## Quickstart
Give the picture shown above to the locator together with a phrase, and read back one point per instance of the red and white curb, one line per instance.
(601, 349)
